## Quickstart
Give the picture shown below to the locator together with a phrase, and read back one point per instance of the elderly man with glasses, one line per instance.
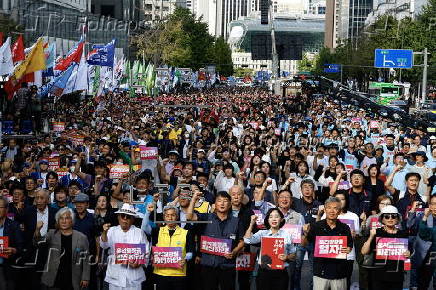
(124, 274)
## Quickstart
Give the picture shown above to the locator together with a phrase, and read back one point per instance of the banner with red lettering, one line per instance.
(270, 250)
(391, 248)
(4, 243)
(374, 223)
(373, 124)
(116, 171)
(166, 257)
(58, 126)
(148, 153)
(245, 262)
(61, 172)
(77, 139)
(330, 247)
(294, 231)
(214, 246)
(129, 253)
(53, 163)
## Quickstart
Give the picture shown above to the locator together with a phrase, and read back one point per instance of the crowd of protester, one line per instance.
(234, 164)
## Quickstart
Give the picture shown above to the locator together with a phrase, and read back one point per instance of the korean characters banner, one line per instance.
(330, 247)
(391, 248)
(294, 231)
(166, 257)
(270, 250)
(129, 253)
(214, 246)
(148, 153)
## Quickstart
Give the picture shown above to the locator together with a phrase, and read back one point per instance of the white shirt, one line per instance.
(222, 183)
(117, 274)
(43, 216)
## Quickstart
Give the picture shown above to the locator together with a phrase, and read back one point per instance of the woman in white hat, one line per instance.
(387, 274)
(125, 273)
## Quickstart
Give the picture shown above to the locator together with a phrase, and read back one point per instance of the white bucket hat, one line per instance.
(128, 209)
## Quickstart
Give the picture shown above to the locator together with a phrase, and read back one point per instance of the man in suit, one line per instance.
(10, 231)
(33, 260)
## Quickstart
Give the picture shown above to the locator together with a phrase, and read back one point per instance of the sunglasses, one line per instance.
(390, 216)
(125, 216)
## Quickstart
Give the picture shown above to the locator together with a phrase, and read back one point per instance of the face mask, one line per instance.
(72, 168)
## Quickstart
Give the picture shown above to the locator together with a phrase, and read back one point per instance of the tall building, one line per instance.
(399, 9)
(159, 9)
(345, 19)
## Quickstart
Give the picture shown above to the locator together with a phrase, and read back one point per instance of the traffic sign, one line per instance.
(332, 68)
(393, 58)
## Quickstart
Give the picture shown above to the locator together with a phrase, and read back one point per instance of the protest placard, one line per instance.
(166, 257)
(270, 250)
(148, 153)
(58, 126)
(373, 124)
(330, 247)
(4, 243)
(294, 231)
(260, 219)
(245, 262)
(129, 253)
(61, 172)
(391, 248)
(214, 246)
(374, 223)
(116, 171)
(349, 223)
(53, 163)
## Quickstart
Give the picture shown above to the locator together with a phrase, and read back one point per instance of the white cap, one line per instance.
(389, 209)
(127, 209)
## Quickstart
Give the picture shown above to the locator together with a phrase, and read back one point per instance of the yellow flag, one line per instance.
(33, 62)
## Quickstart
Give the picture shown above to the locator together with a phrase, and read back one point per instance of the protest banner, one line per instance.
(349, 223)
(373, 124)
(277, 131)
(214, 246)
(294, 231)
(166, 257)
(116, 171)
(58, 126)
(391, 248)
(260, 219)
(245, 262)
(4, 243)
(270, 250)
(254, 125)
(148, 153)
(330, 247)
(53, 163)
(61, 172)
(77, 139)
(129, 253)
(374, 223)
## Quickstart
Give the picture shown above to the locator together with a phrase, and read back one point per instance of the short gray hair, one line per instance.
(63, 211)
(168, 207)
(332, 199)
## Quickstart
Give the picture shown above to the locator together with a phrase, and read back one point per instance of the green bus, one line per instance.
(385, 93)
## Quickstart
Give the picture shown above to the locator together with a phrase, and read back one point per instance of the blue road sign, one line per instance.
(332, 68)
(393, 58)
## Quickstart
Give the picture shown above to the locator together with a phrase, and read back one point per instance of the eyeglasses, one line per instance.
(385, 203)
(125, 216)
(392, 216)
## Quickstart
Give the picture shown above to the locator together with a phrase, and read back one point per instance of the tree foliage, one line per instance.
(387, 32)
(184, 41)
(8, 26)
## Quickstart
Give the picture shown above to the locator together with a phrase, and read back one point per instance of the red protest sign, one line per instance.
(214, 246)
(129, 253)
(254, 125)
(294, 231)
(77, 139)
(53, 163)
(391, 248)
(374, 223)
(4, 243)
(245, 262)
(148, 153)
(330, 247)
(58, 126)
(166, 257)
(373, 124)
(270, 250)
(61, 172)
(117, 171)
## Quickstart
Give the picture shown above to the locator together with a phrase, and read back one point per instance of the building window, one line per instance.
(107, 10)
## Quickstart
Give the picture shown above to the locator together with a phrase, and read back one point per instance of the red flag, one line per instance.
(74, 56)
(1, 38)
(18, 50)
(11, 86)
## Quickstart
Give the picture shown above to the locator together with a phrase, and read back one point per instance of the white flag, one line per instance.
(6, 64)
(82, 75)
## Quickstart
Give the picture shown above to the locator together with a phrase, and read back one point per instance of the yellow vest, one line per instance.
(203, 208)
(178, 239)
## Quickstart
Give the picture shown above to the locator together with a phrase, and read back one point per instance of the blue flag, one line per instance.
(59, 84)
(102, 55)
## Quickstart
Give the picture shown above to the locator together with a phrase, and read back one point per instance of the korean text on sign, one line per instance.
(214, 246)
(330, 247)
(270, 250)
(129, 253)
(167, 257)
(148, 152)
(118, 170)
(4, 243)
(391, 248)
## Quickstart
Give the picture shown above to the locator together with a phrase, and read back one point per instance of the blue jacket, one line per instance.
(423, 241)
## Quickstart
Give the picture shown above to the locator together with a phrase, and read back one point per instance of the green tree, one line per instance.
(241, 72)
(221, 55)
(8, 26)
